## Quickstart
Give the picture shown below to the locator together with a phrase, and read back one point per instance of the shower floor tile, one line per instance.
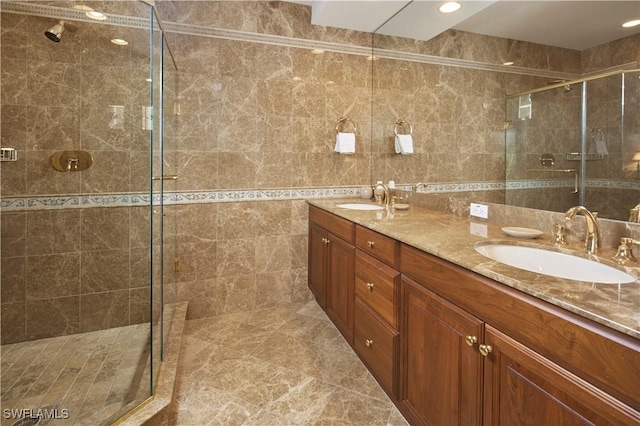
(90, 375)
(280, 366)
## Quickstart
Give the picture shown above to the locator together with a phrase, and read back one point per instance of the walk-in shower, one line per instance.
(576, 145)
(81, 217)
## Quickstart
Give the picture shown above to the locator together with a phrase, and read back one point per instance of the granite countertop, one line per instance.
(452, 238)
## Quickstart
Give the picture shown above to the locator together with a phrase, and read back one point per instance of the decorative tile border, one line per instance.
(13, 204)
(464, 187)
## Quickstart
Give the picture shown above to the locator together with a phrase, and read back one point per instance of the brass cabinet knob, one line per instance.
(370, 244)
(485, 350)
(368, 343)
(370, 286)
(470, 340)
(325, 240)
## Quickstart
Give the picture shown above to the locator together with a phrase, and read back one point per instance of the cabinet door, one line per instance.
(377, 344)
(318, 263)
(340, 285)
(522, 387)
(441, 375)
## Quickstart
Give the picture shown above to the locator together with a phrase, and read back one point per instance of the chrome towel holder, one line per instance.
(403, 124)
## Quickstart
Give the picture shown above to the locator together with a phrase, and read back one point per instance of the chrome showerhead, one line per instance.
(55, 32)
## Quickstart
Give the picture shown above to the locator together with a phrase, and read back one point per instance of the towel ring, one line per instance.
(402, 123)
(343, 121)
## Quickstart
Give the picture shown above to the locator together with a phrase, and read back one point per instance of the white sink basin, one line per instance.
(553, 263)
(358, 206)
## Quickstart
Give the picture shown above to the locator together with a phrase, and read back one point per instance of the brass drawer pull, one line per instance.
(471, 340)
(370, 286)
(485, 350)
(368, 343)
(370, 244)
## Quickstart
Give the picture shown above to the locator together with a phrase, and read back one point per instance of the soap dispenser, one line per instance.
(378, 192)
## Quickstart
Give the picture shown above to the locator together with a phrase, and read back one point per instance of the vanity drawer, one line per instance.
(338, 226)
(377, 245)
(377, 286)
(377, 345)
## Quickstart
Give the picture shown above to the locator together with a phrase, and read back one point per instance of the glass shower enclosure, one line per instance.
(576, 143)
(81, 215)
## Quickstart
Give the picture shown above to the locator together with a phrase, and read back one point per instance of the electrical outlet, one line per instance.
(479, 210)
(479, 229)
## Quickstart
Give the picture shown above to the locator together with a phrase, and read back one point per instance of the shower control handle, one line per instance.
(71, 161)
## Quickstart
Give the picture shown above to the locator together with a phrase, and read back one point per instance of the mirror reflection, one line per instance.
(573, 144)
(461, 92)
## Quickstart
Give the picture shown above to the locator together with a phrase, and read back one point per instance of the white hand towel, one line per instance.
(601, 147)
(345, 143)
(404, 144)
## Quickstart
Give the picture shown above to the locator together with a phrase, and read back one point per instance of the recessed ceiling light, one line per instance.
(96, 15)
(297, 79)
(119, 41)
(507, 63)
(450, 6)
(317, 51)
(630, 24)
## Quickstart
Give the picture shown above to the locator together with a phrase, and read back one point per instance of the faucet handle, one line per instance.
(558, 235)
(414, 188)
(625, 251)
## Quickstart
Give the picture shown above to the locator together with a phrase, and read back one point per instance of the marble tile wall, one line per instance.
(77, 270)
(261, 116)
(60, 96)
(71, 271)
(256, 116)
(457, 113)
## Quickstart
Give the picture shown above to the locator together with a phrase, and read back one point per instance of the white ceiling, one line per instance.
(573, 24)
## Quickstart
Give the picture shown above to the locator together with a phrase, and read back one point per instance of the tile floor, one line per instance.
(92, 375)
(278, 366)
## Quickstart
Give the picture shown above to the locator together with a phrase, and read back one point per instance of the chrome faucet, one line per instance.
(592, 240)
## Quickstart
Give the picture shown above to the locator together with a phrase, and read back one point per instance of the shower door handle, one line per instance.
(165, 177)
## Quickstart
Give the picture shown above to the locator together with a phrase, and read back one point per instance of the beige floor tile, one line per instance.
(279, 366)
(350, 408)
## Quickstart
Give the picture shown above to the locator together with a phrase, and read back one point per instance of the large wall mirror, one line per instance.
(520, 103)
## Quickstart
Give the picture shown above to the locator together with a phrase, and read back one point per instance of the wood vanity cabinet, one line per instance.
(441, 375)
(452, 347)
(477, 352)
(377, 285)
(522, 387)
(331, 267)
